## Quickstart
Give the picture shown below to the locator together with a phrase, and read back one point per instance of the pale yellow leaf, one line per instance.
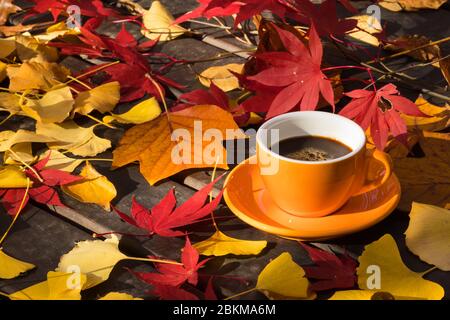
(366, 27)
(144, 111)
(221, 76)
(19, 153)
(10, 138)
(54, 106)
(57, 30)
(95, 258)
(10, 103)
(438, 117)
(102, 98)
(10, 267)
(428, 234)
(94, 188)
(60, 161)
(158, 23)
(219, 244)
(58, 286)
(12, 177)
(29, 47)
(410, 5)
(394, 276)
(282, 277)
(118, 296)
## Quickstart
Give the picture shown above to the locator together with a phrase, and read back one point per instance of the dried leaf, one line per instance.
(6, 8)
(54, 288)
(29, 47)
(94, 188)
(10, 138)
(426, 179)
(410, 5)
(438, 117)
(12, 177)
(95, 258)
(158, 23)
(102, 98)
(221, 76)
(11, 268)
(118, 296)
(144, 111)
(3, 67)
(428, 234)
(7, 46)
(219, 244)
(366, 28)
(283, 278)
(408, 42)
(150, 143)
(10, 103)
(59, 161)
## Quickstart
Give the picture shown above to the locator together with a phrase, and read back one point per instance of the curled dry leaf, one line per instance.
(158, 23)
(426, 179)
(438, 117)
(95, 258)
(93, 188)
(73, 138)
(410, 5)
(54, 288)
(151, 144)
(428, 234)
(366, 29)
(383, 257)
(408, 42)
(102, 98)
(282, 278)
(144, 111)
(221, 76)
(219, 244)
(11, 268)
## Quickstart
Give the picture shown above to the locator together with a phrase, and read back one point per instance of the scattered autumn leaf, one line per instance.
(102, 98)
(219, 244)
(410, 5)
(283, 278)
(7, 46)
(93, 188)
(54, 288)
(3, 67)
(29, 47)
(428, 234)
(59, 161)
(6, 8)
(367, 28)
(221, 76)
(12, 177)
(426, 179)
(11, 268)
(144, 111)
(118, 296)
(409, 42)
(151, 145)
(159, 23)
(438, 117)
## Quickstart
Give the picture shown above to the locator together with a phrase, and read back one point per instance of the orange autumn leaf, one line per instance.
(150, 143)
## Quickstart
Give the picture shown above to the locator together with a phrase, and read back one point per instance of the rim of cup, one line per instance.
(284, 118)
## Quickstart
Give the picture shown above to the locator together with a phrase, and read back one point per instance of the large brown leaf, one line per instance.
(150, 143)
(426, 179)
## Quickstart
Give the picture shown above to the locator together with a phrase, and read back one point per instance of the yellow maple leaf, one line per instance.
(93, 188)
(10, 267)
(219, 244)
(428, 234)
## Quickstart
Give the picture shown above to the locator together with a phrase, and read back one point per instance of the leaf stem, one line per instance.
(240, 294)
(80, 82)
(429, 270)
(26, 165)
(161, 95)
(94, 71)
(22, 203)
(99, 121)
(155, 260)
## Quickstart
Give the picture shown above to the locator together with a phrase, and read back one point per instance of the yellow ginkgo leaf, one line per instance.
(158, 23)
(57, 30)
(367, 295)
(10, 103)
(220, 244)
(381, 269)
(119, 296)
(36, 75)
(144, 111)
(12, 177)
(438, 117)
(29, 47)
(58, 286)
(367, 25)
(94, 188)
(10, 138)
(54, 106)
(221, 76)
(428, 234)
(60, 161)
(283, 278)
(7, 46)
(73, 138)
(3, 67)
(10, 267)
(95, 258)
(19, 153)
(102, 98)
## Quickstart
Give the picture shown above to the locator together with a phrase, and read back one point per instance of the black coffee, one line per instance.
(311, 148)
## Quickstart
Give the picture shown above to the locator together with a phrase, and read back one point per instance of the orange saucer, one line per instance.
(247, 198)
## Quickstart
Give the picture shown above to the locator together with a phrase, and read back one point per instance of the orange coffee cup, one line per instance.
(316, 188)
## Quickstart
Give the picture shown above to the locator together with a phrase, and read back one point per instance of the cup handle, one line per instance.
(386, 161)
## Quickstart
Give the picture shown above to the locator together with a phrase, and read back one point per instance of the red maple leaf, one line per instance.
(88, 8)
(330, 271)
(172, 293)
(42, 189)
(209, 293)
(134, 73)
(164, 217)
(214, 96)
(294, 77)
(245, 9)
(379, 110)
(175, 275)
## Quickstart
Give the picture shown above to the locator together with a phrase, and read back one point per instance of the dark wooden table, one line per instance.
(43, 234)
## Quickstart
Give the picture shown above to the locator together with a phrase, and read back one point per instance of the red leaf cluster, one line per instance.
(41, 191)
